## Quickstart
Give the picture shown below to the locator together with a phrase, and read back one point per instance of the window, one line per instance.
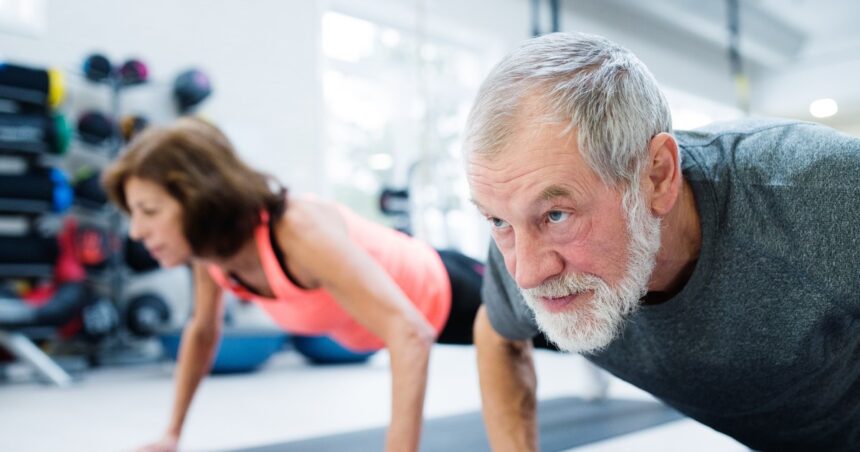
(25, 17)
(396, 103)
(690, 111)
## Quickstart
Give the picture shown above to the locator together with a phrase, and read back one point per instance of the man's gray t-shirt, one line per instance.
(763, 341)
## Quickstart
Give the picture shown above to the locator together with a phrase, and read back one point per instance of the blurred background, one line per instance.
(361, 101)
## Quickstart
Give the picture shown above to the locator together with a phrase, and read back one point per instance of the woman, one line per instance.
(314, 266)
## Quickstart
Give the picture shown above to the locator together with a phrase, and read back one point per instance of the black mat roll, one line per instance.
(28, 87)
(564, 423)
(45, 185)
(28, 250)
(34, 133)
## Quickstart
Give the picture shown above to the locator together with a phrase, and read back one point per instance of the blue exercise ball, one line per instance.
(238, 351)
(324, 350)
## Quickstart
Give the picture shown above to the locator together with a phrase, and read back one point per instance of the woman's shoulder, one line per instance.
(303, 207)
(309, 215)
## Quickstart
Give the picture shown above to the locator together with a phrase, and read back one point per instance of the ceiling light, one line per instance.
(823, 108)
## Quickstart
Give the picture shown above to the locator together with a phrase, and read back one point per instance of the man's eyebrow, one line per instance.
(478, 205)
(554, 191)
(547, 194)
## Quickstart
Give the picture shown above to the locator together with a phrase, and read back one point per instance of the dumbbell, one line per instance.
(94, 127)
(93, 247)
(131, 125)
(97, 67)
(99, 318)
(133, 72)
(190, 88)
(146, 314)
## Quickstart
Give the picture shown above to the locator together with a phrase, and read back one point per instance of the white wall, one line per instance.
(263, 57)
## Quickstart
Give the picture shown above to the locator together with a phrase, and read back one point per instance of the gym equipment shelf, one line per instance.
(23, 150)
(26, 149)
(26, 270)
(26, 207)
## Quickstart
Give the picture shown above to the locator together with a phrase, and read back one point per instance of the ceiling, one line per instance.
(794, 51)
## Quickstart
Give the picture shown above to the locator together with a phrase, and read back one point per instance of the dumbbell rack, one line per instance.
(29, 209)
(125, 345)
(115, 260)
(19, 341)
(111, 280)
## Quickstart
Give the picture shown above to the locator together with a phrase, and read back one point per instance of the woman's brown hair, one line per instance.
(196, 164)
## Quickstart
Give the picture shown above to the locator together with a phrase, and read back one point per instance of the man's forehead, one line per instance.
(532, 182)
(548, 193)
(547, 141)
(524, 158)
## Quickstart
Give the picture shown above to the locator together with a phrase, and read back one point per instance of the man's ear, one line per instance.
(663, 174)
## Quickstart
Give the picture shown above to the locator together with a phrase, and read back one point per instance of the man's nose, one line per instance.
(535, 261)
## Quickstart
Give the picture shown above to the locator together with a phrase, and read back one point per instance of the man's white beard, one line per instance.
(590, 327)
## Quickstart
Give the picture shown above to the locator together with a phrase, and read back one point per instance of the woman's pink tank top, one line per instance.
(412, 264)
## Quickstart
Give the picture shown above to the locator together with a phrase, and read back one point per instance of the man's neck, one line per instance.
(681, 239)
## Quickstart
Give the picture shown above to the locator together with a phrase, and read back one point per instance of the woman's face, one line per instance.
(156, 220)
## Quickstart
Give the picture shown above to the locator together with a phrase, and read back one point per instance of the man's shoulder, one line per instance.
(737, 127)
(777, 152)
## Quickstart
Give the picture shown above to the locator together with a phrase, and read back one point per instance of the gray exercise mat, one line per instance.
(564, 423)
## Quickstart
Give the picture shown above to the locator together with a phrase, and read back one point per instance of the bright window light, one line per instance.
(685, 119)
(347, 38)
(823, 108)
(690, 111)
(26, 17)
(390, 37)
(397, 96)
(380, 161)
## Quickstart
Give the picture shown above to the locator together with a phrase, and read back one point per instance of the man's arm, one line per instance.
(508, 387)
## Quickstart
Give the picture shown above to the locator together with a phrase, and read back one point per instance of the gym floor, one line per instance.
(118, 408)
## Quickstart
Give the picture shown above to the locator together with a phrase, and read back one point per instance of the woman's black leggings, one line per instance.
(466, 275)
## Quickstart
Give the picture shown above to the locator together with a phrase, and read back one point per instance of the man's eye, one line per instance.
(555, 216)
(498, 223)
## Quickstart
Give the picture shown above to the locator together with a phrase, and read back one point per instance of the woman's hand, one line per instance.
(168, 443)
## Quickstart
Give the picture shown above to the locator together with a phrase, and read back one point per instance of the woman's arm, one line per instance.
(316, 237)
(199, 340)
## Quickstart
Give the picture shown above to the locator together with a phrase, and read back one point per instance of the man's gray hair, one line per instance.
(598, 87)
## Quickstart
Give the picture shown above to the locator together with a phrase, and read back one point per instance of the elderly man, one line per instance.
(718, 270)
